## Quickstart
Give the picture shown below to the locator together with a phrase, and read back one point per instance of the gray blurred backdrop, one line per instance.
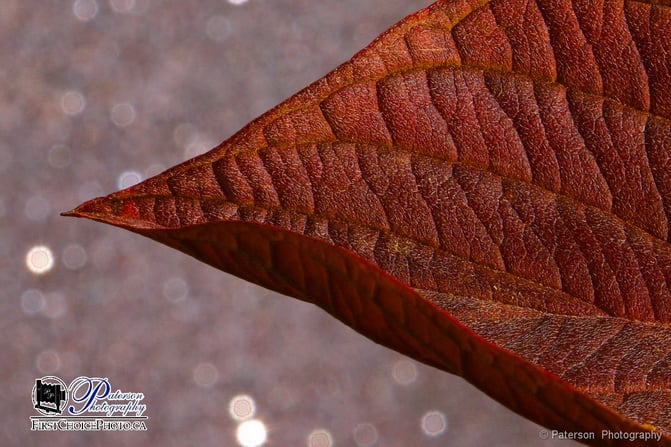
(96, 95)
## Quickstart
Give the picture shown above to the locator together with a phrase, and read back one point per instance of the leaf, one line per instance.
(485, 188)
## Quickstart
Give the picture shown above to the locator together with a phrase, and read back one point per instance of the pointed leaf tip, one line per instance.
(115, 210)
(94, 207)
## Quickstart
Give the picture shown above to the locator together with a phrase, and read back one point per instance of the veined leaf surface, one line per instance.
(485, 188)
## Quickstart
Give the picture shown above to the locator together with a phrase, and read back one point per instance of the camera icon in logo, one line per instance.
(50, 395)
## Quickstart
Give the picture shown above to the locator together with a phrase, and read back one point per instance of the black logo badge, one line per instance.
(50, 395)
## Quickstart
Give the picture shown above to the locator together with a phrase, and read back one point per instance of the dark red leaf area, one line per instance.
(375, 304)
(509, 160)
(443, 225)
(619, 362)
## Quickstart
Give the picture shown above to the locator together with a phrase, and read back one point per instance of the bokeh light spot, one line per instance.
(56, 305)
(205, 374)
(218, 28)
(74, 257)
(251, 433)
(59, 156)
(404, 372)
(237, 2)
(123, 114)
(320, 438)
(32, 301)
(39, 259)
(73, 103)
(434, 423)
(128, 178)
(197, 148)
(48, 362)
(122, 6)
(184, 134)
(241, 407)
(85, 10)
(365, 434)
(175, 289)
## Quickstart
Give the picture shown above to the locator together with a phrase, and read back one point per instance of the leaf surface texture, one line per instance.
(486, 188)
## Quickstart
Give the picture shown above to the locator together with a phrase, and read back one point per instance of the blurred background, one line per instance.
(96, 95)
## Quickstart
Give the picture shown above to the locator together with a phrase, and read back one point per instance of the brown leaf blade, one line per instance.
(506, 160)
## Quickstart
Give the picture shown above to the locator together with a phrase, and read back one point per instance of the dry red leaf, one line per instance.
(486, 188)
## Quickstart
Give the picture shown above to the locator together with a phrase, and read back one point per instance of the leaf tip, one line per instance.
(71, 213)
(113, 210)
(91, 209)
